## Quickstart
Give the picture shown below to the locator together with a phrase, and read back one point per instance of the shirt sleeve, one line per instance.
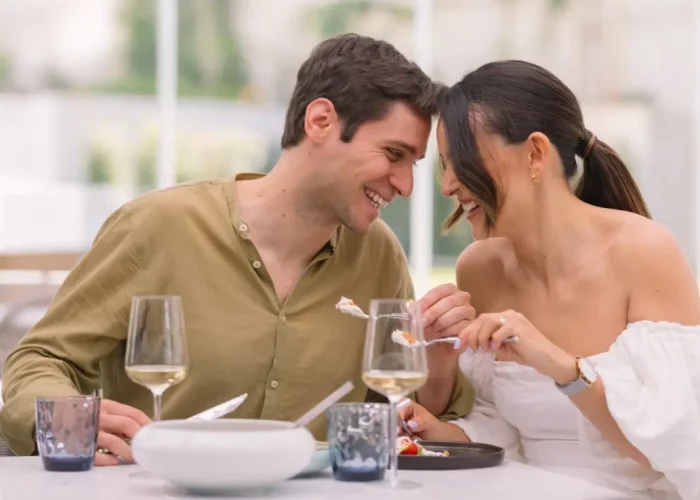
(485, 424)
(651, 376)
(85, 322)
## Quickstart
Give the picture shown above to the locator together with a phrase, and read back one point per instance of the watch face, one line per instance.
(587, 369)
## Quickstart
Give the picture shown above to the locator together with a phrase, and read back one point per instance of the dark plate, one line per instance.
(462, 456)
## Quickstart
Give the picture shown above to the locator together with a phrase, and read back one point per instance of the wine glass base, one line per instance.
(401, 484)
(142, 474)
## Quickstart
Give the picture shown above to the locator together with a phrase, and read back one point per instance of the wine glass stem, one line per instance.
(157, 401)
(393, 435)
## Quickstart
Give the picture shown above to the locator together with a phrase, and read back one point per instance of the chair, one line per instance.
(17, 299)
(20, 298)
(5, 450)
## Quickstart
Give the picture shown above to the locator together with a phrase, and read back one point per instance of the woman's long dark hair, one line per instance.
(514, 99)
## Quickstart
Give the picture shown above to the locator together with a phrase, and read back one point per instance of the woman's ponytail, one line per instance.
(606, 182)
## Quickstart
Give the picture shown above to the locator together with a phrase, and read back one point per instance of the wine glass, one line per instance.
(156, 349)
(392, 367)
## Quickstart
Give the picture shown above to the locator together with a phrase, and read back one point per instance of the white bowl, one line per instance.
(320, 461)
(223, 455)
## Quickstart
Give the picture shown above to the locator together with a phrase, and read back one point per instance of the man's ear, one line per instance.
(320, 119)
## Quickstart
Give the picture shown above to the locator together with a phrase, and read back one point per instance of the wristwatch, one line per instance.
(586, 377)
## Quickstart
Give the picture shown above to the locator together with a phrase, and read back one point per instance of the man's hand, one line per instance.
(446, 312)
(118, 423)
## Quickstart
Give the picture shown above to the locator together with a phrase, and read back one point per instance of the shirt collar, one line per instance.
(242, 228)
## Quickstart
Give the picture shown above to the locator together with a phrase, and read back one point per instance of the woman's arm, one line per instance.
(592, 404)
(661, 288)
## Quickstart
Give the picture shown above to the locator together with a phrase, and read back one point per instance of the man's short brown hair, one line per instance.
(362, 77)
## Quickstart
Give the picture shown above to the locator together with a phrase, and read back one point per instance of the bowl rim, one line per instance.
(223, 425)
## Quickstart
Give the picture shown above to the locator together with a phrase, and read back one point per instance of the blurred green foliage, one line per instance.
(342, 16)
(210, 61)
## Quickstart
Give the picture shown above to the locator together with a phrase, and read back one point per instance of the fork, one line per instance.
(404, 426)
(456, 341)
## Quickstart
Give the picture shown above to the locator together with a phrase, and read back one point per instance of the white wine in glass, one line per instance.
(391, 368)
(156, 349)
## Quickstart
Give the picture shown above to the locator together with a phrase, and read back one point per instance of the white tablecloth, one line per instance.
(25, 479)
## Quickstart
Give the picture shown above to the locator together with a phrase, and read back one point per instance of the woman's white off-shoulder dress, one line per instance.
(651, 376)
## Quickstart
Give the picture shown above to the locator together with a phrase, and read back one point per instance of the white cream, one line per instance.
(347, 306)
(397, 336)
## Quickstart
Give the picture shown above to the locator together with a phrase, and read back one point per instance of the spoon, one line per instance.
(327, 402)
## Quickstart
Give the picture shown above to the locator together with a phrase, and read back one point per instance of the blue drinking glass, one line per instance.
(358, 440)
(66, 432)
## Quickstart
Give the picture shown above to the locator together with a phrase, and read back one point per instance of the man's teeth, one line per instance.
(468, 207)
(376, 200)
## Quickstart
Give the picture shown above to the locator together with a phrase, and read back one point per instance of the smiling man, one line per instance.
(260, 262)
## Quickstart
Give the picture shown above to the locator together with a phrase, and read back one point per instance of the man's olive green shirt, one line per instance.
(190, 241)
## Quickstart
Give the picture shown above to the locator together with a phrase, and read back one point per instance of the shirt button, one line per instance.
(257, 264)
(243, 227)
(274, 384)
(284, 320)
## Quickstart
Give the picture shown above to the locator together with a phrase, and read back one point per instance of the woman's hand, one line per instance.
(489, 331)
(423, 424)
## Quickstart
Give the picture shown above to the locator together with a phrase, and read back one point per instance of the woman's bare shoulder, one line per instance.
(641, 239)
(661, 282)
(482, 263)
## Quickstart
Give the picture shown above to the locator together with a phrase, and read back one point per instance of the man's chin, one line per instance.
(359, 227)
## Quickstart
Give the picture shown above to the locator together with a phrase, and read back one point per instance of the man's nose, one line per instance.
(403, 181)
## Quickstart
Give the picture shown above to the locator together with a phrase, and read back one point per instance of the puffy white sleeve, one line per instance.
(651, 376)
(485, 424)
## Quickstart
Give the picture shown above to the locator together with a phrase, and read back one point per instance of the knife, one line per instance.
(220, 410)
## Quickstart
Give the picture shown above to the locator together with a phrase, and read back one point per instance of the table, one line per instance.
(23, 478)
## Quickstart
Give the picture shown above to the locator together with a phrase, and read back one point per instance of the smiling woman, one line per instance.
(546, 257)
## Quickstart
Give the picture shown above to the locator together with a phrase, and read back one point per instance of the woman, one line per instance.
(603, 382)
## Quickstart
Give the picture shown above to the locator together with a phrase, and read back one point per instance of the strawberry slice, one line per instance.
(408, 447)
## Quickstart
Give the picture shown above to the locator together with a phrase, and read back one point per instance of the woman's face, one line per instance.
(507, 166)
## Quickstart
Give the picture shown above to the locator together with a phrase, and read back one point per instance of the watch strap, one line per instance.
(578, 384)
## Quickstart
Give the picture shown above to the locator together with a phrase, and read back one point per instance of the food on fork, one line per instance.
(346, 301)
(407, 446)
(403, 338)
(347, 306)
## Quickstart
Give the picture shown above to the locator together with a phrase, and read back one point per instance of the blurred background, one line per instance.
(101, 100)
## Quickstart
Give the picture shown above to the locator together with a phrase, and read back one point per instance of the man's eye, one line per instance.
(394, 154)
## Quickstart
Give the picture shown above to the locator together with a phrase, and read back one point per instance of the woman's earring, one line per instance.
(534, 177)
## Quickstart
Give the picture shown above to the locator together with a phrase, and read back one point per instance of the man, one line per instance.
(259, 262)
